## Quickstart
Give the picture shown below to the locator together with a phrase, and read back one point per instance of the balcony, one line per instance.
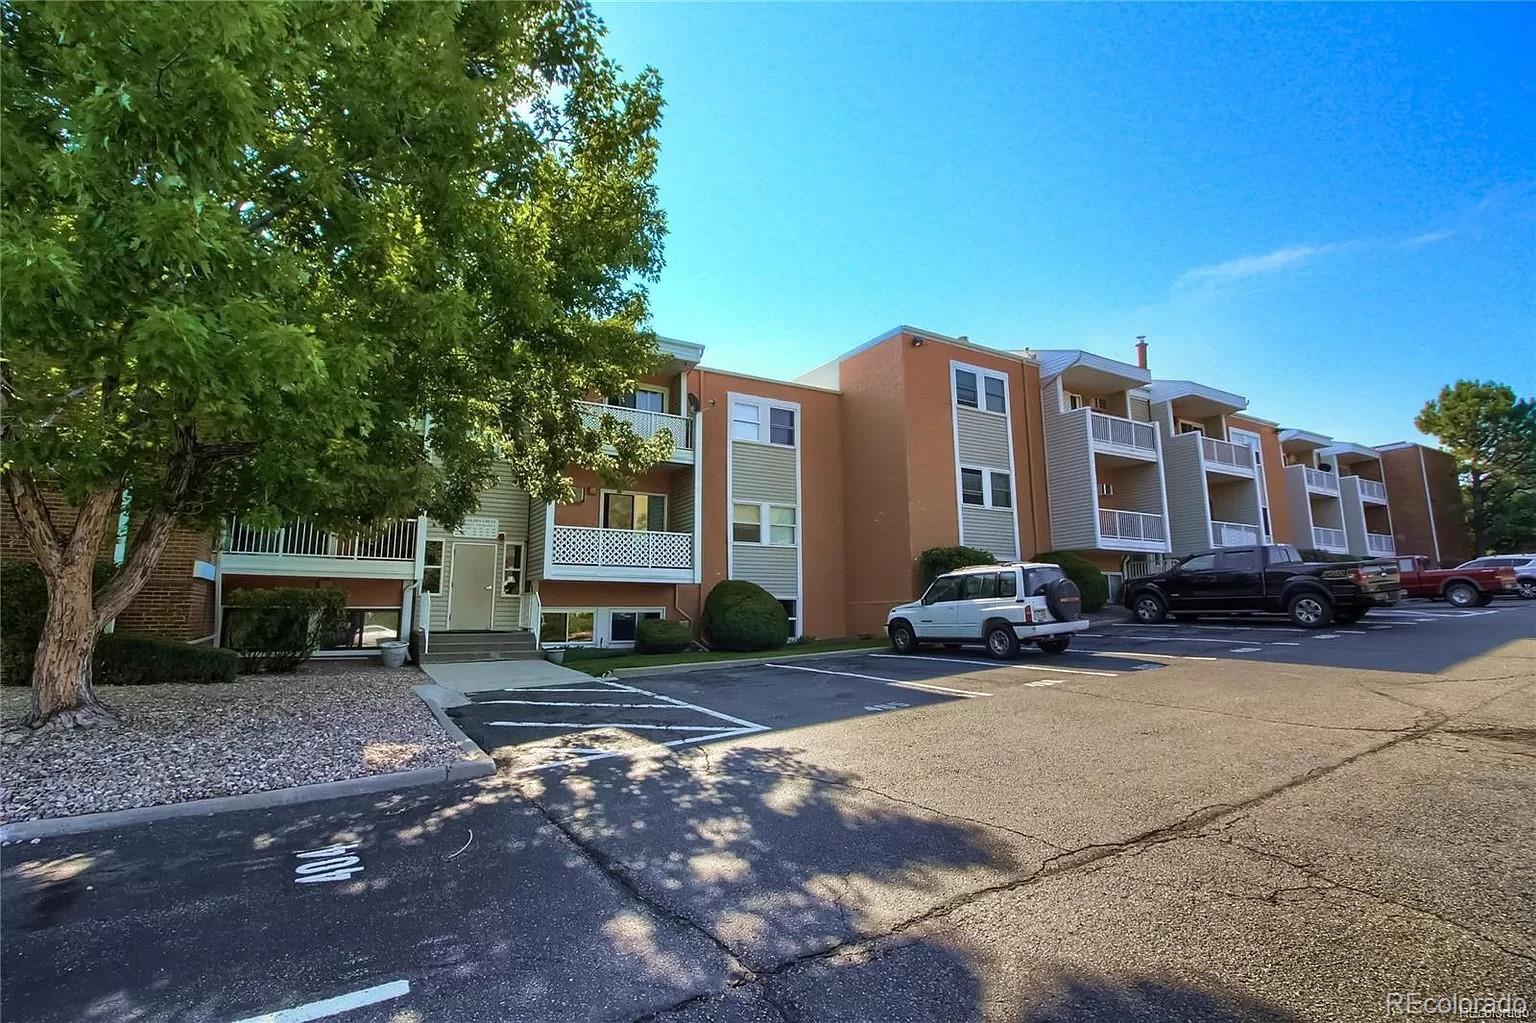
(1380, 545)
(299, 548)
(1132, 530)
(637, 555)
(1126, 436)
(646, 424)
(1371, 490)
(1224, 456)
(1234, 534)
(1328, 539)
(1319, 482)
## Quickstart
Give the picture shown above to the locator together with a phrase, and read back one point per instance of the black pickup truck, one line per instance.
(1270, 578)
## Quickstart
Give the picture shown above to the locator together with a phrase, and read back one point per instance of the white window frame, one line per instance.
(1194, 427)
(794, 619)
(521, 571)
(987, 472)
(653, 389)
(602, 501)
(441, 566)
(982, 376)
(764, 409)
(566, 643)
(604, 637)
(765, 523)
(1075, 401)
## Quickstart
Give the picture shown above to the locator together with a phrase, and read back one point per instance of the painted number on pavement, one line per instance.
(332, 863)
(886, 706)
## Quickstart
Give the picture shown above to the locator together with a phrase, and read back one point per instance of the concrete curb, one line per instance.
(19, 831)
(438, 699)
(665, 669)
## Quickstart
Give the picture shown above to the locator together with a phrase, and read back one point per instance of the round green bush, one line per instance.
(739, 615)
(935, 561)
(1090, 581)
(661, 636)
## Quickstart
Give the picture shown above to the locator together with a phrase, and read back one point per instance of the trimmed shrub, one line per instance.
(1090, 581)
(23, 605)
(661, 636)
(279, 629)
(127, 659)
(739, 615)
(935, 561)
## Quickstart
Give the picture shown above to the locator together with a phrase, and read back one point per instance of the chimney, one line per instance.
(1141, 350)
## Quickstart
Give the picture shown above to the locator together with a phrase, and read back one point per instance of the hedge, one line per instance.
(1090, 581)
(279, 629)
(739, 615)
(661, 636)
(127, 659)
(935, 561)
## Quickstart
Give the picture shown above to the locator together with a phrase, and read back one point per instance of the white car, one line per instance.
(999, 606)
(1523, 564)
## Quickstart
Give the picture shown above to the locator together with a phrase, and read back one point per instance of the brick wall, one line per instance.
(1422, 488)
(172, 603)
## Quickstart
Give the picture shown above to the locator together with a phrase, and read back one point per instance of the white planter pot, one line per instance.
(555, 656)
(392, 653)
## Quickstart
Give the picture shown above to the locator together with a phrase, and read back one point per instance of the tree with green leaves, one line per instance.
(289, 259)
(1492, 435)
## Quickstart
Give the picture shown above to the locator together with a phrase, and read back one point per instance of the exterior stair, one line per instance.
(443, 647)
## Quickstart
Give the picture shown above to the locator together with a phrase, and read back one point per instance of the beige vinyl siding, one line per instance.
(1184, 478)
(680, 502)
(763, 472)
(1354, 514)
(982, 438)
(773, 568)
(1068, 474)
(507, 503)
(1162, 415)
(991, 529)
(1234, 501)
(1299, 503)
(1140, 488)
(1140, 409)
(538, 514)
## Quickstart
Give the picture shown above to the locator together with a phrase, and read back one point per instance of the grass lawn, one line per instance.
(595, 662)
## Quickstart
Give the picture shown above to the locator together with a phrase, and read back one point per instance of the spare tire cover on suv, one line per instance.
(1064, 599)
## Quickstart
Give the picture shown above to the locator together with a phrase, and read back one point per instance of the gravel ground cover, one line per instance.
(326, 722)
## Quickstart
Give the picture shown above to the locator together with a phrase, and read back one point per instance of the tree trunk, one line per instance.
(62, 695)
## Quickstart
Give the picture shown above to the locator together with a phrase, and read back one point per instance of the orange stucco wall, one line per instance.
(1280, 522)
(565, 593)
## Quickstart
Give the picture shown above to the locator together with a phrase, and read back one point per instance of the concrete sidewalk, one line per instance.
(478, 676)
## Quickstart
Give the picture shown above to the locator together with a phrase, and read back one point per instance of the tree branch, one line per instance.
(31, 510)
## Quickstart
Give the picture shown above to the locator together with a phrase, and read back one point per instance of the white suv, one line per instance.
(996, 605)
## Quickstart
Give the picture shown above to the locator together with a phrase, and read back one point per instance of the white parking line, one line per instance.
(334, 1006)
(999, 664)
(1218, 628)
(1148, 653)
(1246, 649)
(902, 683)
(568, 703)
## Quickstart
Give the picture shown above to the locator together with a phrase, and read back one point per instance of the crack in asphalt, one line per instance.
(1241, 717)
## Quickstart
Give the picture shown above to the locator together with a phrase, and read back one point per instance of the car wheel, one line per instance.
(1056, 644)
(1461, 594)
(1526, 588)
(1149, 609)
(1484, 599)
(903, 639)
(1310, 610)
(1002, 643)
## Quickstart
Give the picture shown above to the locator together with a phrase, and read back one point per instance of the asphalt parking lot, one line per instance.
(1148, 828)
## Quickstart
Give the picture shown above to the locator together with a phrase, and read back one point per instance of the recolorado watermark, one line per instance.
(1459, 1005)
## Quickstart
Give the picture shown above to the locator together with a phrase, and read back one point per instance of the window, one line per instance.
(1244, 560)
(980, 586)
(560, 627)
(781, 526)
(1283, 553)
(781, 426)
(365, 627)
(1074, 401)
(1185, 426)
(945, 588)
(1268, 532)
(791, 611)
(1199, 563)
(965, 389)
(621, 624)
(1007, 584)
(634, 511)
(747, 523)
(432, 574)
(512, 570)
(1002, 490)
(996, 395)
(1406, 565)
(1037, 579)
(745, 421)
(643, 398)
(970, 487)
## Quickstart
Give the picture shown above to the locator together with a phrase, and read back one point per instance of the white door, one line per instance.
(935, 619)
(471, 590)
(978, 601)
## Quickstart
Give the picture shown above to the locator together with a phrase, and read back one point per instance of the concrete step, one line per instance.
(435, 656)
(459, 640)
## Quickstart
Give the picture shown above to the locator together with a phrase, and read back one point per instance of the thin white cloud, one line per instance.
(1250, 266)
(1428, 238)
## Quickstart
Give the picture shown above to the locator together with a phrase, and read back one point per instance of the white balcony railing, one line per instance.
(1124, 433)
(1228, 455)
(646, 424)
(590, 546)
(1380, 544)
(1329, 539)
(1327, 482)
(1234, 534)
(1372, 490)
(1130, 525)
(301, 539)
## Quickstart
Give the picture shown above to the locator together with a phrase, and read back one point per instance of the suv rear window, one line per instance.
(1036, 579)
(982, 584)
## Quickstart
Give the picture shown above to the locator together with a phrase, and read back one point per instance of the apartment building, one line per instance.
(1427, 515)
(1263, 436)
(1313, 492)
(1212, 482)
(1363, 497)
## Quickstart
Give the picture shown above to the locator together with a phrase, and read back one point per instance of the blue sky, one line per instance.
(1331, 210)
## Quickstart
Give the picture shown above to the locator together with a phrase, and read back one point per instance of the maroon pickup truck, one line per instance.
(1462, 587)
